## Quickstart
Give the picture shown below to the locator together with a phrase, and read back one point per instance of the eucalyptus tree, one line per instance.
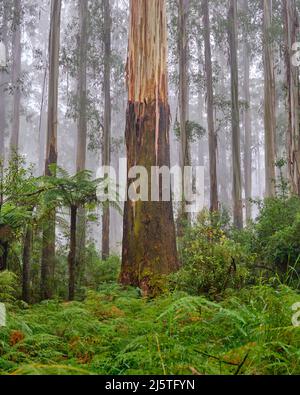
(48, 251)
(269, 99)
(214, 200)
(235, 115)
(291, 23)
(149, 244)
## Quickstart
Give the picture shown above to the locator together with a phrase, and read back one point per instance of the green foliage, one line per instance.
(277, 232)
(195, 132)
(211, 261)
(114, 331)
(8, 286)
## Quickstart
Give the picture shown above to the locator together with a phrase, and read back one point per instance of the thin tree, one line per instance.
(3, 80)
(291, 23)
(183, 96)
(149, 243)
(269, 100)
(16, 75)
(247, 119)
(235, 114)
(106, 152)
(48, 251)
(214, 200)
(82, 120)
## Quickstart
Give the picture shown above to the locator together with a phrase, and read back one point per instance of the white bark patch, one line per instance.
(2, 315)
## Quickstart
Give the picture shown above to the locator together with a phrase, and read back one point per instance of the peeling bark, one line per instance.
(149, 243)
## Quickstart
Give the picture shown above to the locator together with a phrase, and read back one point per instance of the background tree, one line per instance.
(235, 117)
(247, 113)
(48, 253)
(214, 200)
(106, 151)
(291, 23)
(183, 39)
(16, 74)
(269, 99)
(82, 117)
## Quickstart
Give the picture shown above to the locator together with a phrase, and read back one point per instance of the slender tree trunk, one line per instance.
(247, 122)
(26, 264)
(3, 80)
(82, 122)
(48, 253)
(106, 154)
(72, 253)
(236, 144)
(183, 98)
(5, 235)
(3, 255)
(149, 243)
(269, 101)
(16, 75)
(223, 168)
(291, 23)
(214, 200)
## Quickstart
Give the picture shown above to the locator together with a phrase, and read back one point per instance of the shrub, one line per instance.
(277, 229)
(211, 261)
(8, 287)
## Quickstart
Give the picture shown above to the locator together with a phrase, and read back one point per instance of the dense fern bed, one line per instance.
(114, 331)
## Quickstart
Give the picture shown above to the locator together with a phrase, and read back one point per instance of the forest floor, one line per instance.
(115, 331)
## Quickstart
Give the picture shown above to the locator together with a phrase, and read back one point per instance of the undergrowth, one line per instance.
(115, 331)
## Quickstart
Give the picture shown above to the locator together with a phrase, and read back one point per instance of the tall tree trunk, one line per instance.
(269, 100)
(48, 253)
(247, 122)
(26, 264)
(72, 254)
(106, 154)
(214, 200)
(16, 75)
(149, 242)
(183, 97)
(3, 80)
(82, 122)
(235, 111)
(291, 23)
